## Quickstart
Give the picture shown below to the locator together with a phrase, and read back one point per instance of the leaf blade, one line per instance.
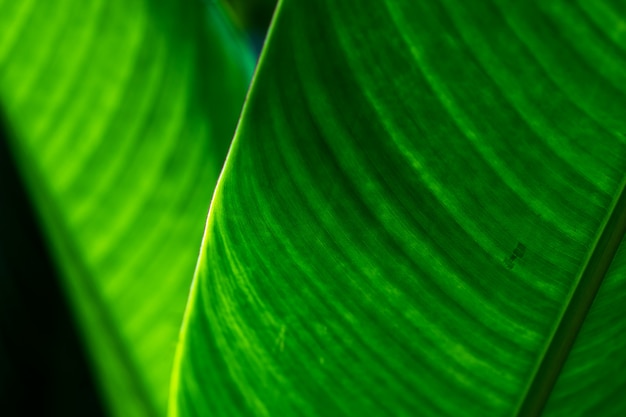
(592, 377)
(429, 180)
(122, 113)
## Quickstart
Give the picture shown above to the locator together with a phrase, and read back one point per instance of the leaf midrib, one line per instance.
(573, 315)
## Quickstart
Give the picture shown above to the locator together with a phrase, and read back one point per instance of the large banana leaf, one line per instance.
(122, 113)
(419, 205)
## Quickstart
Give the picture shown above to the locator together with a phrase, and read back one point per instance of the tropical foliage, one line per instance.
(420, 212)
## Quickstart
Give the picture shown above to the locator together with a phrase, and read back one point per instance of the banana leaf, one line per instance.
(420, 204)
(121, 114)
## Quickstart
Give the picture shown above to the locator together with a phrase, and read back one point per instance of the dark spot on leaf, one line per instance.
(518, 252)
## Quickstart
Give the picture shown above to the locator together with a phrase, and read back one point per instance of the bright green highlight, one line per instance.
(410, 201)
(123, 112)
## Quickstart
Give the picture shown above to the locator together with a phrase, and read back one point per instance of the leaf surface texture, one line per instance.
(413, 196)
(122, 113)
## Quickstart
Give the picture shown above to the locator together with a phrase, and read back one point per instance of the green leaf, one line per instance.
(593, 380)
(122, 113)
(417, 209)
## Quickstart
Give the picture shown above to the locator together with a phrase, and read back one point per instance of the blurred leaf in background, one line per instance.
(120, 114)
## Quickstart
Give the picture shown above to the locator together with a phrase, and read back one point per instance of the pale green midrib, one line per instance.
(565, 332)
(69, 260)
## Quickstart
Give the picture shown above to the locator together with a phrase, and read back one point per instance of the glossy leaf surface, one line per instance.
(415, 194)
(122, 112)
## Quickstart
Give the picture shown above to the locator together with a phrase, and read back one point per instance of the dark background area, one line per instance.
(43, 367)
